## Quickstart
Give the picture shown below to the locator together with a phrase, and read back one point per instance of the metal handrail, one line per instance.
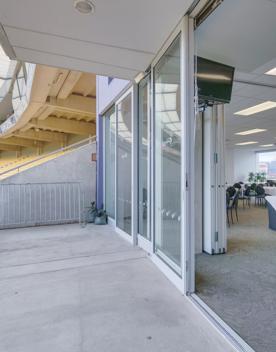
(63, 149)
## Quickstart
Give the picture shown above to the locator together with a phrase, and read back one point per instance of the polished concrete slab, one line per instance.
(72, 289)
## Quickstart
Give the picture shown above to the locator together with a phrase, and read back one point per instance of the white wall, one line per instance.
(107, 92)
(229, 166)
(239, 162)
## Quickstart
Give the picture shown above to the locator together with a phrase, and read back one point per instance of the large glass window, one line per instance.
(124, 149)
(110, 135)
(266, 164)
(167, 150)
(143, 194)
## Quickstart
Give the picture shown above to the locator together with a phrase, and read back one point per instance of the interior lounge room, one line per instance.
(235, 165)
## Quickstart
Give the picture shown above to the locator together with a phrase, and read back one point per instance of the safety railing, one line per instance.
(24, 205)
(46, 157)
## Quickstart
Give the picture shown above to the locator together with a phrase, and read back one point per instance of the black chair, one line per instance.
(260, 195)
(233, 204)
(231, 191)
(270, 183)
(246, 197)
(227, 207)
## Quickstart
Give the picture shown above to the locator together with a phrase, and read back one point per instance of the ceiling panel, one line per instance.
(73, 63)
(141, 25)
(125, 34)
(123, 58)
(240, 33)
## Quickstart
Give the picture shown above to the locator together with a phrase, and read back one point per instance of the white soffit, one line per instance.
(240, 33)
(120, 39)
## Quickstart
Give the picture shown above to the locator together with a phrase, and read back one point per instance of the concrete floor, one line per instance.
(240, 286)
(69, 289)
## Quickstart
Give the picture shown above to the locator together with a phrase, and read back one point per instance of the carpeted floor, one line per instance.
(240, 286)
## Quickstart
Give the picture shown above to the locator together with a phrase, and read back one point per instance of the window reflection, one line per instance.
(143, 158)
(110, 134)
(124, 149)
(168, 157)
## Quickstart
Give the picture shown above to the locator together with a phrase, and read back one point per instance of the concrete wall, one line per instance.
(75, 166)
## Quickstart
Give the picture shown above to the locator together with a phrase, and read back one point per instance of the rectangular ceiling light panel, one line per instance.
(246, 143)
(267, 105)
(271, 72)
(255, 130)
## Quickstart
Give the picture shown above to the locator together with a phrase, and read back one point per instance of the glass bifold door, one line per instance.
(167, 157)
(143, 158)
(118, 162)
(157, 160)
(124, 148)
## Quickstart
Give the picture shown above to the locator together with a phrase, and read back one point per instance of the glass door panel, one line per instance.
(124, 162)
(110, 134)
(143, 145)
(167, 155)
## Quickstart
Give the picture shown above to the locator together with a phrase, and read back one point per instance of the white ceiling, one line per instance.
(120, 39)
(242, 33)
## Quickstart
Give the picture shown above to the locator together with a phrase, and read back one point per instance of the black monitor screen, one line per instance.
(214, 81)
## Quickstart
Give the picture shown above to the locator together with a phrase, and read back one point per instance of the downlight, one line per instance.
(84, 6)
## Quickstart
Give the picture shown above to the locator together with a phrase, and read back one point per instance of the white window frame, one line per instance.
(132, 237)
(111, 220)
(145, 242)
(180, 281)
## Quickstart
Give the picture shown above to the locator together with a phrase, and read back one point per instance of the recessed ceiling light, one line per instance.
(271, 72)
(257, 108)
(84, 6)
(255, 130)
(266, 145)
(247, 143)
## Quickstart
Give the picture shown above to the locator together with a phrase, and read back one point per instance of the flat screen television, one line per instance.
(214, 81)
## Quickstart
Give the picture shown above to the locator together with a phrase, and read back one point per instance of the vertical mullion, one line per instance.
(134, 162)
(152, 157)
(149, 237)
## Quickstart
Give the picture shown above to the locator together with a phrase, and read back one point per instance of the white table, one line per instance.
(270, 190)
(271, 206)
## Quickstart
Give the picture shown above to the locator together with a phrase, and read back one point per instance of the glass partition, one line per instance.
(124, 162)
(143, 142)
(110, 134)
(167, 153)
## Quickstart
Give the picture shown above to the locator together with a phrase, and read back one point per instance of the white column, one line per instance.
(214, 229)
(209, 181)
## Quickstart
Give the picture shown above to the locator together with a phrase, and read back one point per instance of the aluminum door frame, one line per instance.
(132, 237)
